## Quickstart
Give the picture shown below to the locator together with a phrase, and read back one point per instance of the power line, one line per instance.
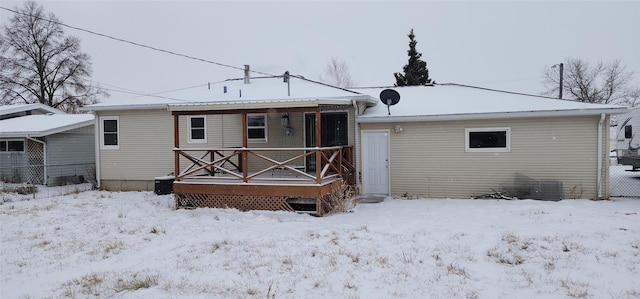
(138, 44)
(154, 94)
(511, 80)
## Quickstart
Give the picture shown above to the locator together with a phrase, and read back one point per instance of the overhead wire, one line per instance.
(138, 44)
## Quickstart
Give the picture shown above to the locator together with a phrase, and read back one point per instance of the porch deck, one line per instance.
(220, 178)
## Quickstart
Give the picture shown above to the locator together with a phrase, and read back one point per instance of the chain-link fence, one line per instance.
(623, 181)
(50, 175)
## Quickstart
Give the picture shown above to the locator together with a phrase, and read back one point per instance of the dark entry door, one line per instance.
(334, 131)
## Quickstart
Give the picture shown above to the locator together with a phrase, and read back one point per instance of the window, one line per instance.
(12, 146)
(628, 132)
(109, 129)
(488, 140)
(257, 127)
(197, 129)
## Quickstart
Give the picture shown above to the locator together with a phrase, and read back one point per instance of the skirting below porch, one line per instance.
(254, 196)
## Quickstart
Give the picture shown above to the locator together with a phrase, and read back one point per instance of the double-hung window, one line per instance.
(257, 127)
(197, 129)
(109, 132)
(488, 140)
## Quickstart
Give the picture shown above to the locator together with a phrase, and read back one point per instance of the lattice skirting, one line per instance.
(36, 162)
(240, 202)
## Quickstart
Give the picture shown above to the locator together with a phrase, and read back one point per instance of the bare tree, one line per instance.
(603, 83)
(633, 99)
(337, 73)
(39, 64)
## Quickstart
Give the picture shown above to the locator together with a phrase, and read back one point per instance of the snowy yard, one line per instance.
(135, 245)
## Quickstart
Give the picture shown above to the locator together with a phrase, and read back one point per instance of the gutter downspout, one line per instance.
(96, 128)
(356, 142)
(600, 150)
(44, 148)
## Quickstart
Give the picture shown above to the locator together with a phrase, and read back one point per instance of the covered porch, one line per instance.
(305, 178)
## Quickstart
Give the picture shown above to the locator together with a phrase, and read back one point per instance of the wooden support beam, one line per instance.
(245, 137)
(176, 144)
(318, 144)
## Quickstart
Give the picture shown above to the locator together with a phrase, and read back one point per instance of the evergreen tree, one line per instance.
(415, 71)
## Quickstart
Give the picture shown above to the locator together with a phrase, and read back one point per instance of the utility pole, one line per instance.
(561, 79)
(561, 65)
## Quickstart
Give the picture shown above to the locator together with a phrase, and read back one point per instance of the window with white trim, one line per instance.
(109, 132)
(12, 146)
(197, 128)
(488, 140)
(257, 128)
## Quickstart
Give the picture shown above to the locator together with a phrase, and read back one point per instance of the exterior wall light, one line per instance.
(397, 129)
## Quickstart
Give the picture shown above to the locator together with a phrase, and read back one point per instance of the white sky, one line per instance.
(502, 45)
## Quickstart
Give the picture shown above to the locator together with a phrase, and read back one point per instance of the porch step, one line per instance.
(370, 198)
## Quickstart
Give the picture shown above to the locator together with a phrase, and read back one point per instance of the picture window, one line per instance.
(488, 140)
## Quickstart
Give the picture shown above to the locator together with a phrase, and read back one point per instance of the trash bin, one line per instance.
(164, 185)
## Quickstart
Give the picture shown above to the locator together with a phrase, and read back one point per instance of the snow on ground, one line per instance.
(135, 245)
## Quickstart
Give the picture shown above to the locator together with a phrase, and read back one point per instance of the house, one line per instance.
(276, 142)
(456, 141)
(250, 142)
(43, 145)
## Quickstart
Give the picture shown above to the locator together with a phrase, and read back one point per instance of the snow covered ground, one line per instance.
(135, 245)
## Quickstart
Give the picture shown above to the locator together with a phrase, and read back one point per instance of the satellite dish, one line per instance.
(389, 97)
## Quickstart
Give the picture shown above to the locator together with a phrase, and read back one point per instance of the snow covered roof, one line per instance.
(43, 124)
(453, 102)
(234, 93)
(36, 107)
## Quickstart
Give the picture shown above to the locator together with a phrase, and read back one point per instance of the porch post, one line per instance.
(318, 145)
(176, 145)
(245, 136)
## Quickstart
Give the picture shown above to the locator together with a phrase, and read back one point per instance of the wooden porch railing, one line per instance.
(232, 164)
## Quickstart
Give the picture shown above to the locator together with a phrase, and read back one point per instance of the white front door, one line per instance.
(375, 162)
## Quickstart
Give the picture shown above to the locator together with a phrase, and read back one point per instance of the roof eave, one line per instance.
(125, 107)
(31, 107)
(500, 115)
(268, 103)
(25, 134)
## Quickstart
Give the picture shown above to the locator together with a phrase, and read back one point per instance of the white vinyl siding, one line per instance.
(145, 143)
(74, 151)
(146, 146)
(429, 158)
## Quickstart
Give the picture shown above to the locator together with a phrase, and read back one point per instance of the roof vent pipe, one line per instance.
(246, 74)
(286, 79)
